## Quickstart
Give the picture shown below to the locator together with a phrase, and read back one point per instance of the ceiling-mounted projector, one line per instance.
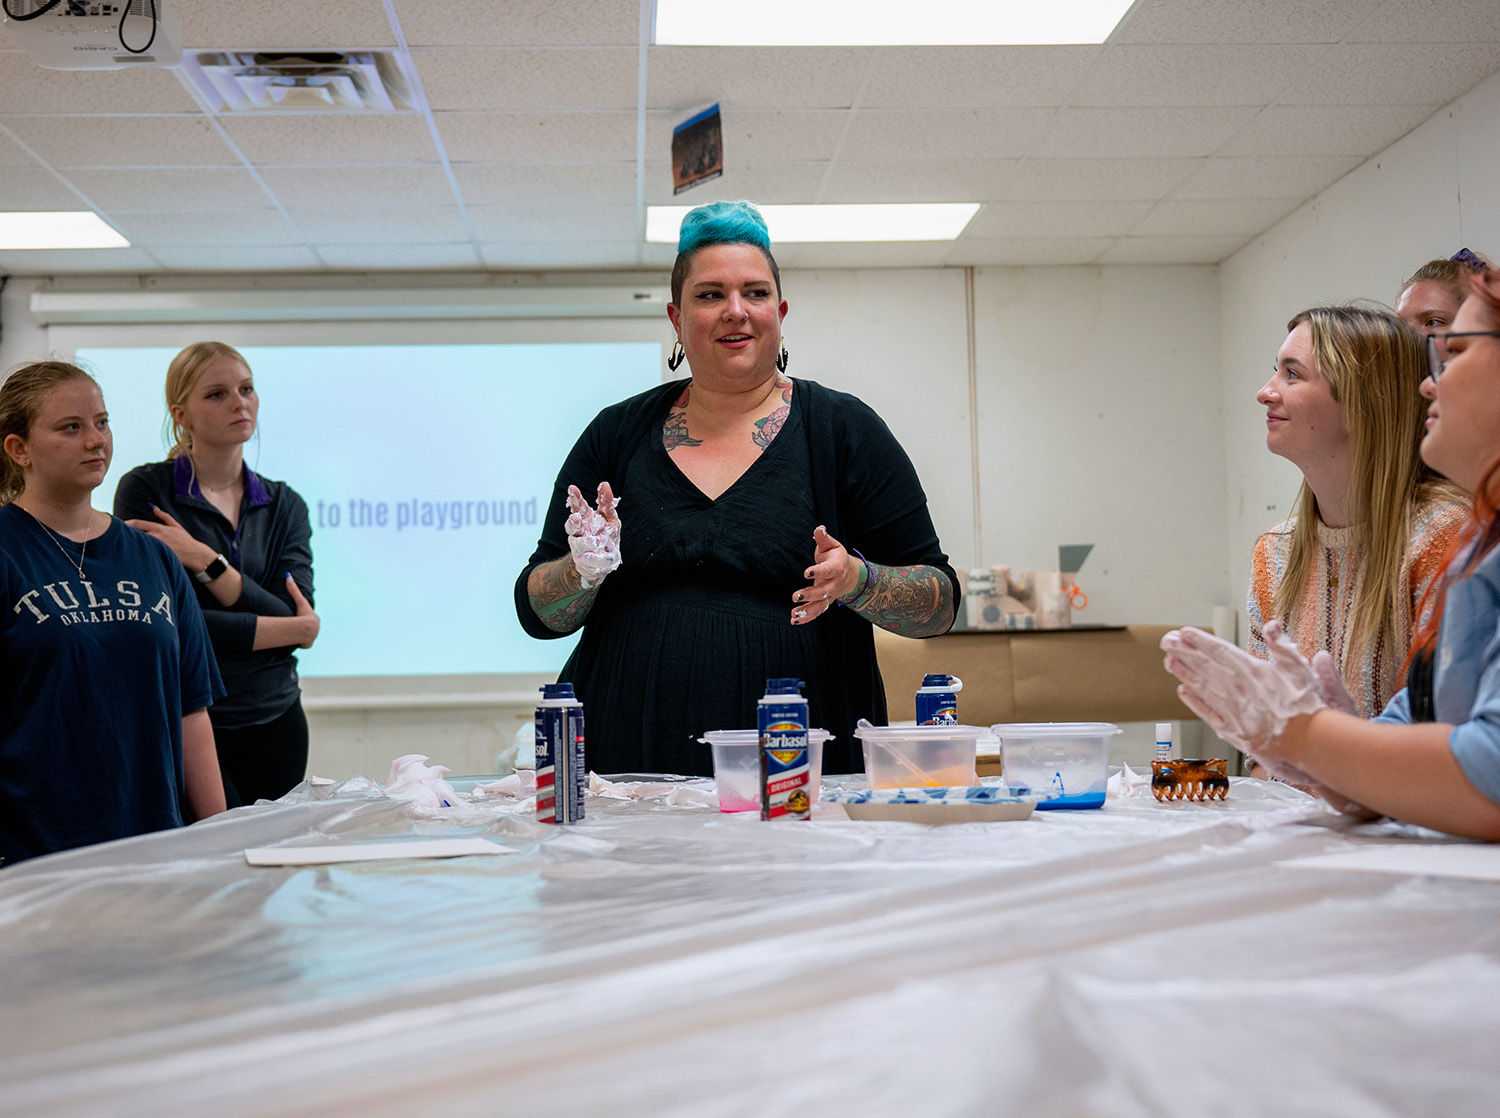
(94, 34)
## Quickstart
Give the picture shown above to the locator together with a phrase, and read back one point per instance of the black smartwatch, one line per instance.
(213, 570)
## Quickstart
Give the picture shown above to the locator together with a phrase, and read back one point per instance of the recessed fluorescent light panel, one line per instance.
(916, 221)
(71, 229)
(886, 23)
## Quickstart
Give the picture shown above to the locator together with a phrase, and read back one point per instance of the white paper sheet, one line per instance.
(1436, 859)
(371, 852)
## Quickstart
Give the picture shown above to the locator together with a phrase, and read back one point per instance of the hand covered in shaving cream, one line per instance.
(593, 536)
(1248, 701)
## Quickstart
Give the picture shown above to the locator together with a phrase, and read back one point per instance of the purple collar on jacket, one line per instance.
(185, 482)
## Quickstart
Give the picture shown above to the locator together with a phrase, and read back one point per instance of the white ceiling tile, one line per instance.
(1194, 75)
(562, 254)
(1160, 132)
(684, 79)
(882, 135)
(521, 23)
(1285, 130)
(1095, 180)
(1172, 250)
(1202, 217)
(32, 188)
(1262, 21)
(123, 141)
(491, 184)
(50, 261)
(538, 137)
(27, 87)
(324, 140)
(1423, 21)
(243, 227)
(938, 180)
(1028, 251)
(169, 188)
(398, 225)
(329, 25)
(771, 183)
(755, 136)
(359, 187)
(238, 258)
(1296, 176)
(975, 77)
(528, 80)
(497, 224)
(447, 256)
(891, 254)
(1056, 219)
(1395, 74)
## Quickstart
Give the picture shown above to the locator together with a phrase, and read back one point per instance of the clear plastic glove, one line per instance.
(1331, 685)
(593, 536)
(1247, 701)
(423, 784)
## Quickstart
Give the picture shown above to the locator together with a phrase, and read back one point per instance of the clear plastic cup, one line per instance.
(737, 766)
(920, 756)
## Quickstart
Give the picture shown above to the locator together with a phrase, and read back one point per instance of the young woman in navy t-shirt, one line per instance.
(105, 668)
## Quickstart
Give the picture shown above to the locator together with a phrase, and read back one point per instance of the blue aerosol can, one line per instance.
(561, 771)
(937, 700)
(784, 762)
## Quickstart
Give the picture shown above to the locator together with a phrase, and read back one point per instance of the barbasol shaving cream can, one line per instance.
(937, 700)
(561, 771)
(784, 761)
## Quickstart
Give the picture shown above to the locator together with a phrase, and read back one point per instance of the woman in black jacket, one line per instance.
(246, 541)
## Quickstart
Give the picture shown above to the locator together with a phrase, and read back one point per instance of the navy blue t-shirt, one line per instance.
(95, 677)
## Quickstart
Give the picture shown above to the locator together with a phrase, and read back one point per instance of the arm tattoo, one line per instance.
(558, 596)
(915, 601)
(768, 428)
(674, 431)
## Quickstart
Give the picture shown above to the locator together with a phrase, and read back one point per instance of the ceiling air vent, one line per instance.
(292, 81)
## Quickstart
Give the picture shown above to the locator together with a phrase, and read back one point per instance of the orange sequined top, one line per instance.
(1324, 614)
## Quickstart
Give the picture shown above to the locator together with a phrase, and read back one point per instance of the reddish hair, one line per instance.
(1481, 533)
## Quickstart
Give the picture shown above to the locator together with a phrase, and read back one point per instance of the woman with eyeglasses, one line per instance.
(1432, 756)
(1347, 572)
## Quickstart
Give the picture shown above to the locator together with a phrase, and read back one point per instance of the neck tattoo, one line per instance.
(83, 550)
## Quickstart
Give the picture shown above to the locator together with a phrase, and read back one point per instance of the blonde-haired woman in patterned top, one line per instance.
(1349, 570)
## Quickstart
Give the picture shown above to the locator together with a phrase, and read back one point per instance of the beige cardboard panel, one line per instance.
(1063, 675)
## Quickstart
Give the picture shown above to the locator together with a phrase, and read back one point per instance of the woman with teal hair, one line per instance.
(769, 524)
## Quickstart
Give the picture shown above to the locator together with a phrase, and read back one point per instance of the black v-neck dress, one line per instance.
(684, 635)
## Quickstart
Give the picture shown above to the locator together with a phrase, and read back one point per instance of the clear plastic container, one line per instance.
(919, 756)
(1070, 759)
(737, 766)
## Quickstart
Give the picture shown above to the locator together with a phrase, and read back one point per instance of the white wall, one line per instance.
(1099, 423)
(1431, 193)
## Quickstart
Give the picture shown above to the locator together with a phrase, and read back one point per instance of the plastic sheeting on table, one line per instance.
(662, 958)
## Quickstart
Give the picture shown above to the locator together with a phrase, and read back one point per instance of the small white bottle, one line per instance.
(1164, 741)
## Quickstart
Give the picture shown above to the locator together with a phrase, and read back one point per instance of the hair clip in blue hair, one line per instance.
(723, 223)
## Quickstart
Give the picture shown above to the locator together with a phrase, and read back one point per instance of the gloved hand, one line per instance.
(1247, 701)
(593, 536)
(1331, 685)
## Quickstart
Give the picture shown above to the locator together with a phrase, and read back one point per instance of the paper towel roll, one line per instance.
(1224, 619)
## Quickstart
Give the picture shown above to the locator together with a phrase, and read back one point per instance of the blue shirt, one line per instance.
(95, 676)
(1466, 675)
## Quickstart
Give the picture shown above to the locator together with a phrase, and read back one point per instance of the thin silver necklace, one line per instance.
(83, 550)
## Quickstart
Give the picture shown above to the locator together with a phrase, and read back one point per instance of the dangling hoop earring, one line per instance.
(677, 357)
(782, 358)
